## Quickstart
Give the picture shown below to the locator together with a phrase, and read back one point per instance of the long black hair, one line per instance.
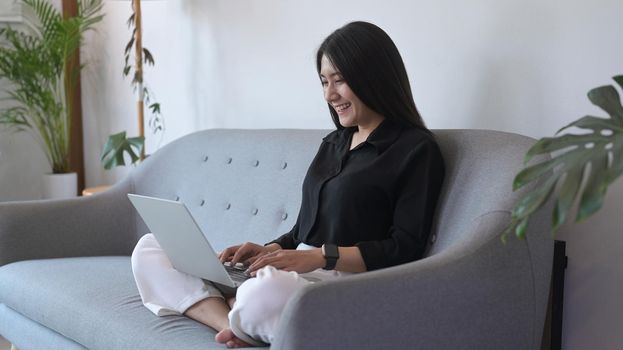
(370, 63)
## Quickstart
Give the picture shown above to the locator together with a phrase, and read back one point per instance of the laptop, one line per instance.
(183, 241)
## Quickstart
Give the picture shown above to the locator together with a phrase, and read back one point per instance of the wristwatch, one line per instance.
(331, 254)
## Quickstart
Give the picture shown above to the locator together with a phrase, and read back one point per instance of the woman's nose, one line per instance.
(330, 94)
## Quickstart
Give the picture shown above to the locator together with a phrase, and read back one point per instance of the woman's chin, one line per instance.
(346, 122)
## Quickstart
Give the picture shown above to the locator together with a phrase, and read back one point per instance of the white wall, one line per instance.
(518, 66)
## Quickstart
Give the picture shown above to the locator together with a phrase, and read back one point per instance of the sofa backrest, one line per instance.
(240, 185)
(480, 168)
(245, 185)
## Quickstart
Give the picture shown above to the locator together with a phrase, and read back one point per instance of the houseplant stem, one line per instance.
(139, 72)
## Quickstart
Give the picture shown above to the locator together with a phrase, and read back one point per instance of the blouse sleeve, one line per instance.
(417, 193)
(288, 240)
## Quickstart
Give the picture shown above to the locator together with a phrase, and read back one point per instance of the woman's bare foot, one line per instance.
(227, 337)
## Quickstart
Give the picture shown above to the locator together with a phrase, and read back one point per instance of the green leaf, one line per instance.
(130, 21)
(128, 47)
(592, 123)
(595, 189)
(520, 229)
(619, 80)
(533, 172)
(149, 59)
(607, 98)
(533, 200)
(568, 192)
(117, 145)
(155, 108)
(616, 169)
(551, 144)
(562, 176)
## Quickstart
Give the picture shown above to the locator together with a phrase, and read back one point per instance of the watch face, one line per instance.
(330, 251)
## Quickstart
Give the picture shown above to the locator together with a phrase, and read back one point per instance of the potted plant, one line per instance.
(42, 83)
(594, 159)
(120, 144)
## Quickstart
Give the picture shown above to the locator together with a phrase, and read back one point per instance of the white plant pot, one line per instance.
(56, 186)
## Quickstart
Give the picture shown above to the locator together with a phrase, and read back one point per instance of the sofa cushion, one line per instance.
(94, 301)
(25, 334)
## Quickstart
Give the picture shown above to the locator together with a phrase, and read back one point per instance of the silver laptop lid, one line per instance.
(181, 238)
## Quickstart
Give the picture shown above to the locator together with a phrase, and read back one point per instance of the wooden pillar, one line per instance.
(76, 147)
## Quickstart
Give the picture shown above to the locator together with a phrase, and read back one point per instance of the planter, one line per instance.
(56, 186)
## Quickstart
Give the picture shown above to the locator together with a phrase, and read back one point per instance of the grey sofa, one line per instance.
(66, 281)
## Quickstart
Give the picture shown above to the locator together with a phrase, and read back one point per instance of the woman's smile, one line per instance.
(341, 108)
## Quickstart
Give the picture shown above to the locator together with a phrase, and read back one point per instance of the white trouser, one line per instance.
(259, 301)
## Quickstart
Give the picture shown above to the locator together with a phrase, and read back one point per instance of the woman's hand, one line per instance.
(300, 261)
(247, 252)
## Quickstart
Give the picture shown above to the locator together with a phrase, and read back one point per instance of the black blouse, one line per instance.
(380, 196)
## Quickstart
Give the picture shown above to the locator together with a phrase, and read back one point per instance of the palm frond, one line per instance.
(41, 87)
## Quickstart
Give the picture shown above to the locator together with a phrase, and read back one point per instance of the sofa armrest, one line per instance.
(103, 224)
(479, 295)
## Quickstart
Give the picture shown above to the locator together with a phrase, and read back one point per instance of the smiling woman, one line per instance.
(368, 200)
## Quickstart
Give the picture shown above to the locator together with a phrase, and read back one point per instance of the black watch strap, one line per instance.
(331, 254)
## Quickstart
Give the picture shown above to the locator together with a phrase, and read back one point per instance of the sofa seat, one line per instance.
(94, 301)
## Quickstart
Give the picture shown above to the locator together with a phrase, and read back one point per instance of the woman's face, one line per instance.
(350, 110)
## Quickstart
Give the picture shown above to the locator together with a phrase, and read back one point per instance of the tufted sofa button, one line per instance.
(284, 165)
(177, 198)
(255, 211)
(284, 216)
(256, 163)
(229, 160)
(205, 159)
(227, 206)
(203, 201)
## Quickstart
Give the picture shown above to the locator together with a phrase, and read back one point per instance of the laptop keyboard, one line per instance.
(237, 273)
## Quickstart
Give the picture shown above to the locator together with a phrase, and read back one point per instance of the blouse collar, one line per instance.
(381, 138)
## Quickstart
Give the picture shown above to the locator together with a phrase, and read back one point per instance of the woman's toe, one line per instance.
(224, 336)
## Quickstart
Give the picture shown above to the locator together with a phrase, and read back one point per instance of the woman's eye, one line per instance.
(324, 83)
(339, 81)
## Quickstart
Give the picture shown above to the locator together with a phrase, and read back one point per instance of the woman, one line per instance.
(369, 198)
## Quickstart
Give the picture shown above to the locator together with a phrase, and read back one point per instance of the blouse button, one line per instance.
(433, 238)
(284, 216)
(255, 211)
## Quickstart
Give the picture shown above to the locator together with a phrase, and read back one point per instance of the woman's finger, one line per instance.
(224, 255)
(228, 253)
(277, 261)
(261, 262)
(252, 259)
(257, 264)
(241, 253)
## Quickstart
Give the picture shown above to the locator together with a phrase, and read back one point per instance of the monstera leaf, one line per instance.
(594, 158)
(117, 145)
